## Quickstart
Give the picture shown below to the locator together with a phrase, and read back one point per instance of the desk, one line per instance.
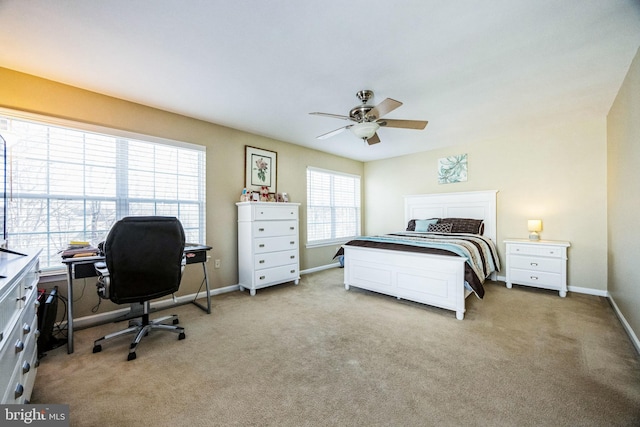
(82, 267)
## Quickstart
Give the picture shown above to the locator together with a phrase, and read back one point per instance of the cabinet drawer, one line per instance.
(276, 274)
(551, 265)
(536, 278)
(275, 212)
(275, 259)
(275, 228)
(274, 244)
(540, 250)
(10, 305)
(10, 354)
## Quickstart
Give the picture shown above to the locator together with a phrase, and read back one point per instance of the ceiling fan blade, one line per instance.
(333, 132)
(335, 116)
(386, 106)
(407, 124)
(373, 140)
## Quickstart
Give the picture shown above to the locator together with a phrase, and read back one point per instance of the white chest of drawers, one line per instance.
(268, 244)
(542, 264)
(18, 326)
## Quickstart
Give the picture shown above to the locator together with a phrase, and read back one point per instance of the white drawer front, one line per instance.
(275, 228)
(551, 265)
(10, 305)
(540, 250)
(275, 212)
(276, 274)
(535, 278)
(274, 244)
(275, 259)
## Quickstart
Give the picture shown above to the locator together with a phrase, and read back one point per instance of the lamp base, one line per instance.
(534, 236)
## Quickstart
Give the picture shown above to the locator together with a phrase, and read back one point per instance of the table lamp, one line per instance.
(534, 225)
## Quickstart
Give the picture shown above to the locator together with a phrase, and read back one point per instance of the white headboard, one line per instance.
(474, 204)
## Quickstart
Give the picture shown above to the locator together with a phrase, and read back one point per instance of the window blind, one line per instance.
(333, 206)
(69, 184)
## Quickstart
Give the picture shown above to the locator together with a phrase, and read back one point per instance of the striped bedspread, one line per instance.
(479, 251)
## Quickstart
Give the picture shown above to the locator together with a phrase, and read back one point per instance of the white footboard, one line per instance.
(435, 280)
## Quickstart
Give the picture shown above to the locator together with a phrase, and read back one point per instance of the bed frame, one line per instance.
(436, 280)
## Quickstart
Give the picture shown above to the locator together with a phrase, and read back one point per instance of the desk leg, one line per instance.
(206, 281)
(69, 308)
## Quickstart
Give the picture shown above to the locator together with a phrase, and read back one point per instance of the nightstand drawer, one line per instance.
(550, 265)
(538, 249)
(536, 278)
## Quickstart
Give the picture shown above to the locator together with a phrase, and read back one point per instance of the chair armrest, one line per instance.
(104, 279)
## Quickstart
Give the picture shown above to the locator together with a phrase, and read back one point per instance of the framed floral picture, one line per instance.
(452, 169)
(260, 169)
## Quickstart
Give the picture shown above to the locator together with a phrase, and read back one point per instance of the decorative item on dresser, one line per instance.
(268, 244)
(19, 326)
(541, 263)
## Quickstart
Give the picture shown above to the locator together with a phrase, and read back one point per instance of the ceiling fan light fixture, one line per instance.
(365, 130)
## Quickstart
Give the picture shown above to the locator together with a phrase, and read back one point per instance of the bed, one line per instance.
(435, 279)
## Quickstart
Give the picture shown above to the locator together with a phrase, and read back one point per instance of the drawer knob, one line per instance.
(28, 288)
(261, 261)
(26, 328)
(260, 229)
(19, 391)
(292, 257)
(534, 264)
(19, 346)
(23, 298)
(534, 278)
(261, 245)
(292, 243)
(261, 277)
(292, 228)
(292, 271)
(26, 367)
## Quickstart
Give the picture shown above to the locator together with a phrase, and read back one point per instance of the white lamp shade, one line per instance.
(534, 225)
(365, 130)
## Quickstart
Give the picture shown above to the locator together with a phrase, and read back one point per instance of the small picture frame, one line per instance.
(260, 169)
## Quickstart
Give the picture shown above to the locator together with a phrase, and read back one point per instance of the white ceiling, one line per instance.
(472, 68)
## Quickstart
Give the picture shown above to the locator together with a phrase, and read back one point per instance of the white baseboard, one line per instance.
(322, 267)
(576, 289)
(98, 319)
(627, 327)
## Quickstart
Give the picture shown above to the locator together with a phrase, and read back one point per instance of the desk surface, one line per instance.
(189, 248)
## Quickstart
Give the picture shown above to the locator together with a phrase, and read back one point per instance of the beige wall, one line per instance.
(623, 135)
(225, 166)
(553, 171)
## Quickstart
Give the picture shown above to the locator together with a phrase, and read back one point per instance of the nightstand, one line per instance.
(541, 263)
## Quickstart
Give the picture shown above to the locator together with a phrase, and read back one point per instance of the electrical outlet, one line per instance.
(216, 263)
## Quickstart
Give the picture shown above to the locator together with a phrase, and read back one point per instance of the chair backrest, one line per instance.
(144, 258)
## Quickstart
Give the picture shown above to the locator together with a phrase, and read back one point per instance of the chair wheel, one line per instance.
(131, 356)
(181, 336)
(176, 321)
(97, 348)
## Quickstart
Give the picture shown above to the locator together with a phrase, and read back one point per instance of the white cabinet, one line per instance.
(541, 263)
(18, 326)
(268, 244)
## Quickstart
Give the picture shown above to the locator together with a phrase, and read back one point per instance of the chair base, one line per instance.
(141, 328)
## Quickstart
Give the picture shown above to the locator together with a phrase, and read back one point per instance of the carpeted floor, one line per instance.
(318, 355)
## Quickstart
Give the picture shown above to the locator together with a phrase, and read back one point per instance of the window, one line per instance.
(72, 182)
(333, 206)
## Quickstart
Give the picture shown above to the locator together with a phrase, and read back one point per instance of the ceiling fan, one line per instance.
(368, 119)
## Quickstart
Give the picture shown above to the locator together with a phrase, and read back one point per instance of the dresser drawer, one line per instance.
(539, 250)
(273, 244)
(274, 212)
(275, 259)
(10, 355)
(10, 306)
(551, 265)
(274, 228)
(536, 278)
(276, 274)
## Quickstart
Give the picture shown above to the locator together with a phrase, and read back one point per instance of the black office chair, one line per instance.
(144, 260)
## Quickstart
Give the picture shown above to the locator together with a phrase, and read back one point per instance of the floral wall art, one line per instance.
(452, 169)
(260, 169)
